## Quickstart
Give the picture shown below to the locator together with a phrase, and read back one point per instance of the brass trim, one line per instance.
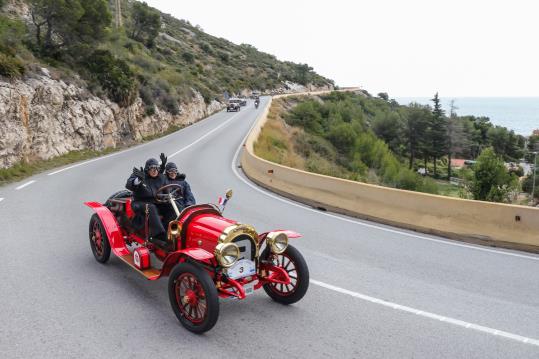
(174, 230)
(238, 229)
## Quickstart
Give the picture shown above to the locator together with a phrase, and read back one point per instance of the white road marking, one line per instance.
(203, 137)
(120, 152)
(421, 313)
(446, 242)
(24, 185)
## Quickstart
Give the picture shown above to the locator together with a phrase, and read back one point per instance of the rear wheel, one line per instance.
(193, 297)
(99, 241)
(293, 263)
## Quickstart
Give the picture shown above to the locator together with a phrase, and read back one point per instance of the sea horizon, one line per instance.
(517, 113)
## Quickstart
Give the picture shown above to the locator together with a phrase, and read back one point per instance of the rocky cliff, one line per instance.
(42, 117)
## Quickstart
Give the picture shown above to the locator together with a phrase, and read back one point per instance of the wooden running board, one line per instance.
(150, 273)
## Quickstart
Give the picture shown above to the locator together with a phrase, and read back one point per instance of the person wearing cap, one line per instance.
(173, 176)
(144, 184)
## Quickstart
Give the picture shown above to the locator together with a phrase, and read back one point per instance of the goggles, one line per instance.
(153, 168)
(172, 170)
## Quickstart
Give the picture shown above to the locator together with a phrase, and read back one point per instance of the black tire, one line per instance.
(297, 289)
(184, 274)
(99, 241)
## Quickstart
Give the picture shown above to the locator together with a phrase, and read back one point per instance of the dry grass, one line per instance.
(281, 143)
(275, 142)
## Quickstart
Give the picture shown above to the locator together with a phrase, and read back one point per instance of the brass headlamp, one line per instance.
(277, 241)
(227, 254)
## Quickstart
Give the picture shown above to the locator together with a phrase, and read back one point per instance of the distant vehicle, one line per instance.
(422, 171)
(243, 102)
(255, 95)
(234, 104)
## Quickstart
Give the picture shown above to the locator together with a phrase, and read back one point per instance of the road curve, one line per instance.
(376, 291)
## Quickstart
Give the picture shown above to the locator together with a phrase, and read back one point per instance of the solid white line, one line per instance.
(90, 161)
(421, 313)
(124, 151)
(24, 185)
(203, 137)
(445, 242)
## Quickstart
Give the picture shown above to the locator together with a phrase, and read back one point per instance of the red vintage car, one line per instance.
(206, 257)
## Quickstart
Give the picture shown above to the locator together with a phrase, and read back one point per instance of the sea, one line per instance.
(520, 114)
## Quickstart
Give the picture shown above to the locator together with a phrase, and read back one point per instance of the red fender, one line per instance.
(198, 254)
(117, 244)
(289, 233)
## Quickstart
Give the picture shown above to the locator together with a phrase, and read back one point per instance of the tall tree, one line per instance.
(437, 135)
(451, 129)
(61, 24)
(146, 23)
(416, 123)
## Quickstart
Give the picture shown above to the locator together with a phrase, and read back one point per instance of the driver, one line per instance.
(187, 199)
(144, 183)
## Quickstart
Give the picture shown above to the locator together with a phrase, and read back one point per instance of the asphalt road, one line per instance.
(376, 291)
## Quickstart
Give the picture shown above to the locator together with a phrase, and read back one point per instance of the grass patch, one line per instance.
(170, 129)
(447, 189)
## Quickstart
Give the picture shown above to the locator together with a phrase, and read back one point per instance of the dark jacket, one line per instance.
(146, 190)
(188, 198)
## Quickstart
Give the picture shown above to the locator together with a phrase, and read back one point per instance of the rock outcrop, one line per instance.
(42, 117)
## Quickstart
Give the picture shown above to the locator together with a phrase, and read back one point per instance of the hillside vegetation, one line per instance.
(378, 141)
(152, 55)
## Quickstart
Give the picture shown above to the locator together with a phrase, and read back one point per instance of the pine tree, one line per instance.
(437, 134)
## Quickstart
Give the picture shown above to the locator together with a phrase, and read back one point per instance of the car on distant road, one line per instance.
(233, 105)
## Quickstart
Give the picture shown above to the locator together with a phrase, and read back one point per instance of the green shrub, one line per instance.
(170, 104)
(114, 75)
(188, 57)
(406, 179)
(10, 66)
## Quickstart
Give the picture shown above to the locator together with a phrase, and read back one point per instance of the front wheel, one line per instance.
(193, 297)
(99, 241)
(293, 263)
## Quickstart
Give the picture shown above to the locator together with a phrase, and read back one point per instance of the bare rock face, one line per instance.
(41, 117)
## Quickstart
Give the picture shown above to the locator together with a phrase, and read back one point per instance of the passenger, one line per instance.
(173, 176)
(144, 183)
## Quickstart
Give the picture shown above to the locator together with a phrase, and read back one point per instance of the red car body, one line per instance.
(194, 257)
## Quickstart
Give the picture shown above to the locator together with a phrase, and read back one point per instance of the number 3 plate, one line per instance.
(243, 268)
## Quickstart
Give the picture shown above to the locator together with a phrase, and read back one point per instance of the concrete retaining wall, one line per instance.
(494, 224)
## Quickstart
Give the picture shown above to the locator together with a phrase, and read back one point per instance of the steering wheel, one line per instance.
(163, 194)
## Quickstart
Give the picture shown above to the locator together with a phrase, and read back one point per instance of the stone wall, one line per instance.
(42, 117)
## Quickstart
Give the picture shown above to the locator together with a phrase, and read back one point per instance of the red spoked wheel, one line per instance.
(99, 241)
(193, 297)
(294, 264)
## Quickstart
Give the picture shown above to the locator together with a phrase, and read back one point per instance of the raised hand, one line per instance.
(163, 162)
(139, 173)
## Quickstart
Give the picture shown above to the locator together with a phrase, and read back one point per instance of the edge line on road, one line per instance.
(24, 185)
(303, 206)
(204, 136)
(421, 313)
